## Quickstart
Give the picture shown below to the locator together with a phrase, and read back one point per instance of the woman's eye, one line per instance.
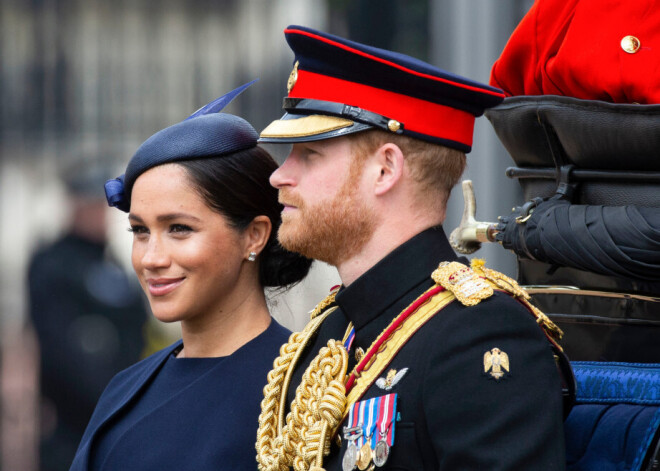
(180, 228)
(135, 229)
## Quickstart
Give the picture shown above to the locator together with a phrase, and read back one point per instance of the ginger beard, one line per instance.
(333, 230)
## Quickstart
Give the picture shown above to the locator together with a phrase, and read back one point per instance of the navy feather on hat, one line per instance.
(205, 133)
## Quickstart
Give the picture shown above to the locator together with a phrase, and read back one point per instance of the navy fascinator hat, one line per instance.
(205, 133)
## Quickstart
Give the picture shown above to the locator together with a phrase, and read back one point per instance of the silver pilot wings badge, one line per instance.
(391, 379)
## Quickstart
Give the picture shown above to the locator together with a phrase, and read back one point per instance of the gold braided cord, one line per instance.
(271, 419)
(279, 445)
(315, 415)
(327, 301)
(318, 407)
(267, 439)
(309, 331)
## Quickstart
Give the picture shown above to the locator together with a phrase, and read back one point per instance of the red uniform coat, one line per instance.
(605, 50)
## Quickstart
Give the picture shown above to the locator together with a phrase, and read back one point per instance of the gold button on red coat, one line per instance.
(630, 44)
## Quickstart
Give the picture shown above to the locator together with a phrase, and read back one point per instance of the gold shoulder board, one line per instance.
(468, 287)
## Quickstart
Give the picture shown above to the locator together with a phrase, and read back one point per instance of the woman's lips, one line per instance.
(163, 286)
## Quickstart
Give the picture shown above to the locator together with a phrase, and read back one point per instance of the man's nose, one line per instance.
(284, 175)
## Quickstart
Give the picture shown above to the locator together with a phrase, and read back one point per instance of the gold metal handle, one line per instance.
(470, 233)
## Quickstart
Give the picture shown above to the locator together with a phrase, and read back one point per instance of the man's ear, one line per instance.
(390, 161)
(257, 234)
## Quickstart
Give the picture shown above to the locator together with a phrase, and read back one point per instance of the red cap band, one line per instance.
(415, 115)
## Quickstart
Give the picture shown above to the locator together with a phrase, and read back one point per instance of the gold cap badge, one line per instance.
(293, 77)
(496, 362)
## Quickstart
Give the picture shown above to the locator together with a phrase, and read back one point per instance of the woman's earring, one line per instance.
(252, 257)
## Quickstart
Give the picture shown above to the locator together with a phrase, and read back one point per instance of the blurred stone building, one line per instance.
(96, 78)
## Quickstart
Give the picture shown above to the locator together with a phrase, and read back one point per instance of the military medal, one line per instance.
(381, 453)
(364, 460)
(372, 423)
(382, 449)
(366, 453)
(350, 457)
(349, 461)
(385, 421)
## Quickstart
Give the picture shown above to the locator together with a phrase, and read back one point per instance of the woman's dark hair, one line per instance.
(237, 186)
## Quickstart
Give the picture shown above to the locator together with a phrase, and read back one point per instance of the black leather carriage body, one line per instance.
(609, 155)
(613, 153)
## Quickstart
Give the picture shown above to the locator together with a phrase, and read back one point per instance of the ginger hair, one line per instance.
(435, 168)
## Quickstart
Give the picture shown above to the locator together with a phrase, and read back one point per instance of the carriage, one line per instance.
(587, 242)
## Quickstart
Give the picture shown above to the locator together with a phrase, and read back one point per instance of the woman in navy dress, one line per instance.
(204, 220)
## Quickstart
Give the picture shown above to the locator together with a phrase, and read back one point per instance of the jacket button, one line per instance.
(630, 44)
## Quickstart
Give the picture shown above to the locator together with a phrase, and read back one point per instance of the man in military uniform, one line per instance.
(417, 361)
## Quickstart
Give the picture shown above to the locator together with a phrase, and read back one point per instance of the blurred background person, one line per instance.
(88, 316)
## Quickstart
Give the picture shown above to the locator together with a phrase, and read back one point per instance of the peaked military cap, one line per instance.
(205, 133)
(338, 87)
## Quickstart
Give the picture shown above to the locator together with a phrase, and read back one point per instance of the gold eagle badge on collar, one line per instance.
(496, 363)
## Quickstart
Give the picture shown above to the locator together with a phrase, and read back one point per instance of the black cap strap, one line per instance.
(354, 113)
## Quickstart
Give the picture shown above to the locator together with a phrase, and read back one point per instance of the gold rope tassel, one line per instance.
(319, 406)
(316, 411)
(270, 452)
(315, 414)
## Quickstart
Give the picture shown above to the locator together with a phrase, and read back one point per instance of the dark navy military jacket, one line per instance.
(452, 415)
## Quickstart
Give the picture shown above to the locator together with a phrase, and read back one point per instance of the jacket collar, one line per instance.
(402, 271)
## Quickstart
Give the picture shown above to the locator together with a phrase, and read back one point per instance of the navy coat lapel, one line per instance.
(121, 389)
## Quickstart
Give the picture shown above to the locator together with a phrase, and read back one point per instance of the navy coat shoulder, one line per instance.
(208, 424)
